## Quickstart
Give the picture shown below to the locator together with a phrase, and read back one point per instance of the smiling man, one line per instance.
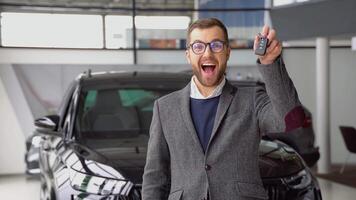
(208, 64)
(204, 138)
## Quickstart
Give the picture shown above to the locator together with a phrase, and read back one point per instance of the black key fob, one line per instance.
(261, 46)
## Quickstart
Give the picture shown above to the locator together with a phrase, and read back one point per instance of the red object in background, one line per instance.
(295, 119)
(162, 44)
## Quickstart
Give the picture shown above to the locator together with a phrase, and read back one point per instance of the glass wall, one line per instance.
(51, 30)
(286, 2)
(153, 24)
(118, 31)
(165, 4)
(242, 26)
(165, 31)
(244, 19)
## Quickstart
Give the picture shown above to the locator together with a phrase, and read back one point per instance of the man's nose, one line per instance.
(207, 51)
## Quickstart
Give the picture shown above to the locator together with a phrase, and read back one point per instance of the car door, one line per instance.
(52, 146)
(58, 145)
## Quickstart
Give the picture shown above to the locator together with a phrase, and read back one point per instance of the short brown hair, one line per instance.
(207, 23)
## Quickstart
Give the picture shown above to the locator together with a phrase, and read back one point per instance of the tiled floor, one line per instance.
(20, 187)
(334, 191)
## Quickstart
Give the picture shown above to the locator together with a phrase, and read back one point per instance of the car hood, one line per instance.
(130, 162)
(278, 160)
(275, 159)
(112, 162)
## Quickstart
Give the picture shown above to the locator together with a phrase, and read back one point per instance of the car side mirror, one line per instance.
(48, 125)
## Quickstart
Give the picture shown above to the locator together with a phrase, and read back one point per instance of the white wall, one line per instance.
(301, 67)
(12, 141)
(63, 56)
(17, 98)
(343, 99)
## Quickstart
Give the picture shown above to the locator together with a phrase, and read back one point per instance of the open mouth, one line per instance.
(208, 67)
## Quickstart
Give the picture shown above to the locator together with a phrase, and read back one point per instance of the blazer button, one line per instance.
(207, 167)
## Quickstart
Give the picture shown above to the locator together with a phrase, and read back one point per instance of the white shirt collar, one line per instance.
(195, 93)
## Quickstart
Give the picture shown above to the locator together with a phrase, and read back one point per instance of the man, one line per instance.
(204, 139)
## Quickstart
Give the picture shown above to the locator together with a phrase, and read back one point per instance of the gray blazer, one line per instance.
(176, 166)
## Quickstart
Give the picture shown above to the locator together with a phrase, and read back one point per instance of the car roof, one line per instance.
(89, 78)
(114, 75)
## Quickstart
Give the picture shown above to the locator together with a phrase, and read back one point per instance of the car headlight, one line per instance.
(99, 185)
(300, 181)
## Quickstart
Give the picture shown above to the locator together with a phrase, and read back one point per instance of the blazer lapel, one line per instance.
(224, 103)
(187, 118)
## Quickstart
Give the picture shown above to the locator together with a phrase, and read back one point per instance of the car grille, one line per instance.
(276, 192)
(282, 192)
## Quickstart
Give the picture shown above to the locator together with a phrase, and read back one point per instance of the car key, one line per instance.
(261, 46)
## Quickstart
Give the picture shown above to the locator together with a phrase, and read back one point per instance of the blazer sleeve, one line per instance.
(156, 177)
(277, 104)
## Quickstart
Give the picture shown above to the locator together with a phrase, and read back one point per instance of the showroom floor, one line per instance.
(19, 187)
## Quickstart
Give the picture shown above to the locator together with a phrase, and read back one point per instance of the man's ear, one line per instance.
(187, 55)
(228, 52)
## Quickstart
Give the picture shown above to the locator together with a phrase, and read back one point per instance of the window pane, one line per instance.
(164, 4)
(118, 31)
(286, 2)
(51, 30)
(231, 4)
(242, 25)
(161, 31)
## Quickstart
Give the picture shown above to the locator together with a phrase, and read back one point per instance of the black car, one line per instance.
(95, 148)
(32, 155)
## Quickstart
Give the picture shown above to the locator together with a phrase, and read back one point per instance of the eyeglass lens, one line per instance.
(215, 46)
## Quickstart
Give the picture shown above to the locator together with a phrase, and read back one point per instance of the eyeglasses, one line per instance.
(215, 46)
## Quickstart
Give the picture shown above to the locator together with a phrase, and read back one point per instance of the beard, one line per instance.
(211, 81)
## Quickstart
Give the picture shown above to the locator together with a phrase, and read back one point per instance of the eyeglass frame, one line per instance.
(207, 44)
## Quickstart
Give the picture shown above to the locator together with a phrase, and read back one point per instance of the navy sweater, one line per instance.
(203, 113)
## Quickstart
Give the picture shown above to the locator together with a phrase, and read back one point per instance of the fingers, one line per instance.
(265, 31)
(257, 39)
(272, 42)
(272, 45)
(268, 32)
(274, 48)
(271, 36)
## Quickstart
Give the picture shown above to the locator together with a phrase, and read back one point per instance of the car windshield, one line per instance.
(117, 116)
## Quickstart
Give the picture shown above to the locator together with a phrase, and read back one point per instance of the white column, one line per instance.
(353, 43)
(16, 118)
(196, 13)
(267, 17)
(17, 99)
(322, 103)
